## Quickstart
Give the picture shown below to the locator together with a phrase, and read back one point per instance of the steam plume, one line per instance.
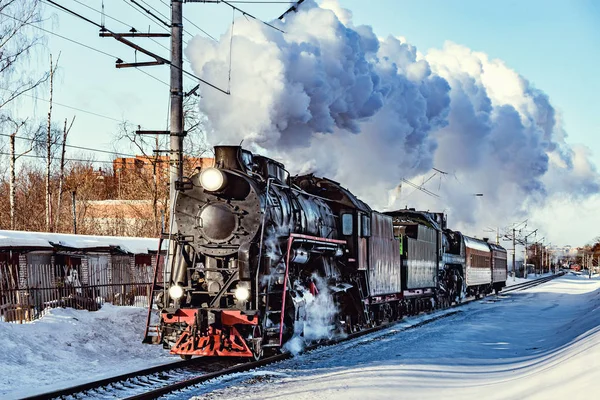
(333, 98)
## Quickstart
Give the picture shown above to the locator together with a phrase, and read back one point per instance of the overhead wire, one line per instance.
(60, 36)
(165, 26)
(163, 60)
(245, 14)
(197, 27)
(71, 107)
(71, 146)
(87, 46)
(58, 158)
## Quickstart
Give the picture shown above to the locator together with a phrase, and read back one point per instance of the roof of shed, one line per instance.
(45, 240)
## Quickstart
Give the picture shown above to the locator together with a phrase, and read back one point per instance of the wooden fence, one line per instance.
(26, 292)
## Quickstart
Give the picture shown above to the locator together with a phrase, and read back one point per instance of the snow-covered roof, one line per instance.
(476, 244)
(45, 240)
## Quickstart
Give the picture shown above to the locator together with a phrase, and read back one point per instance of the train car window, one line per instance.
(366, 226)
(347, 227)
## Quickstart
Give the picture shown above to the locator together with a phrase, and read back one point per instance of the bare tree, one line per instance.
(195, 144)
(62, 171)
(146, 146)
(17, 40)
(17, 126)
(49, 149)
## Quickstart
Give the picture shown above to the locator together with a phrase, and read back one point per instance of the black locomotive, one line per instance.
(255, 247)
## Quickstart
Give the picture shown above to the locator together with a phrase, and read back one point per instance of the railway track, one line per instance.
(161, 380)
(532, 283)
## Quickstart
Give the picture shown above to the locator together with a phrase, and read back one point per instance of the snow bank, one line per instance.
(68, 347)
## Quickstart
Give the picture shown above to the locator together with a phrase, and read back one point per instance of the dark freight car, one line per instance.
(384, 257)
(420, 258)
(418, 233)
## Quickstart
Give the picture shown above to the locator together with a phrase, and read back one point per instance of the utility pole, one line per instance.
(176, 133)
(513, 254)
(525, 271)
(74, 212)
(542, 261)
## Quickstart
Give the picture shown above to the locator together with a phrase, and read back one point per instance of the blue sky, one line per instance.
(554, 44)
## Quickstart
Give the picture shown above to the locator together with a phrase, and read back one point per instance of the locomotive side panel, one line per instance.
(421, 263)
(478, 262)
(385, 274)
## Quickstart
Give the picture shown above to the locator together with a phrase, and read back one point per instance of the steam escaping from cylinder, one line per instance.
(330, 97)
(316, 319)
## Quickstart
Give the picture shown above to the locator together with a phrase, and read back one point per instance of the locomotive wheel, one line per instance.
(256, 343)
(185, 356)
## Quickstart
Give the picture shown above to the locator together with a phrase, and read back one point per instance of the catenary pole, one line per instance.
(514, 251)
(176, 131)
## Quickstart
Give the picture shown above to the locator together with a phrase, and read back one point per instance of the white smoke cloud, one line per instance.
(333, 98)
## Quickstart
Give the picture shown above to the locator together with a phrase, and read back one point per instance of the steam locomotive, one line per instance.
(256, 248)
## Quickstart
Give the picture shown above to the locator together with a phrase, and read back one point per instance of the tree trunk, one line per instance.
(12, 181)
(62, 172)
(155, 191)
(48, 148)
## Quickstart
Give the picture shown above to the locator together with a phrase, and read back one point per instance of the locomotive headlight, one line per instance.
(175, 292)
(212, 179)
(241, 293)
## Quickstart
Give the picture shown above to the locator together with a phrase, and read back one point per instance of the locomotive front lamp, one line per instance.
(241, 293)
(175, 292)
(212, 179)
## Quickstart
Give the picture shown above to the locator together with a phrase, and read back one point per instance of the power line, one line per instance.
(66, 106)
(162, 60)
(200, 29)
(84, 160)
(58, 158)
(103, 14)
(251, 16)
(71, 146)
(60, 36)
(164, 25)
(152, 76)
(160, 13)
(83, 45)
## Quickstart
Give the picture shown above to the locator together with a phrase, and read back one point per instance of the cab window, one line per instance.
(347, 224)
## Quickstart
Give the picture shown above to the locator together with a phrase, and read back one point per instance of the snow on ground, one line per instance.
(69, 347)
(540, 343)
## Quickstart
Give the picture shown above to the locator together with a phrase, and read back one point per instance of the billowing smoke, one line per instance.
(335, 99)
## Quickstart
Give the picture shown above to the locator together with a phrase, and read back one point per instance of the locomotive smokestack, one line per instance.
(228, 157)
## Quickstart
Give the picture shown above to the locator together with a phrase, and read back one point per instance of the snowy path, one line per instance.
(541, 343)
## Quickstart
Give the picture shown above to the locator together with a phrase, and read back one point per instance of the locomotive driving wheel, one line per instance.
(256, 341)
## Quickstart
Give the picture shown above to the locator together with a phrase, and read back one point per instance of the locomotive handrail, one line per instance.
(262, 236)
